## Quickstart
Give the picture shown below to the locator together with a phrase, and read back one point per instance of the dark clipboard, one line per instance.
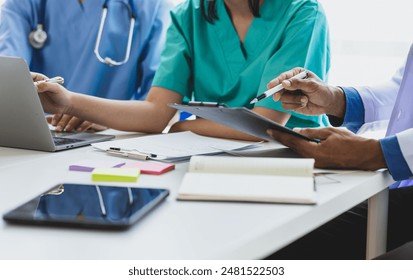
(240, 118)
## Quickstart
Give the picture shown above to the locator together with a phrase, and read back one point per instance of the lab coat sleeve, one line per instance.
(17, 20)
(150, 60)
(379, 100)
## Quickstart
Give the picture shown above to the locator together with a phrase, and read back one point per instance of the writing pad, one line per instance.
(241, 119)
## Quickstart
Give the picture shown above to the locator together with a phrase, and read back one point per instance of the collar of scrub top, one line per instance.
(107, 60)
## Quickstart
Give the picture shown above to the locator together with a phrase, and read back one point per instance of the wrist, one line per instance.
(337, 106)
(70, 108)
(375, 157)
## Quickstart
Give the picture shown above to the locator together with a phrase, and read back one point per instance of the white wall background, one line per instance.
(370, 38)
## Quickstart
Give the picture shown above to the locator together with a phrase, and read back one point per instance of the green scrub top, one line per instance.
(207, 62)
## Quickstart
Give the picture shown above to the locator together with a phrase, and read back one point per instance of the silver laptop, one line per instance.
(22, 120)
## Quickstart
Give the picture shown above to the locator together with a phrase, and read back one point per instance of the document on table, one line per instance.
(176, 146)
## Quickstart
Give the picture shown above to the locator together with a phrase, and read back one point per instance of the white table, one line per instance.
(176, 229)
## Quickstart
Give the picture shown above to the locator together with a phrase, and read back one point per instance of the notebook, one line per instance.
(22, 120)
(251, 179)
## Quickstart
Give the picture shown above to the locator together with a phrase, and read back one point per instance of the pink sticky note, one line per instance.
(148, 167)
(89, 165)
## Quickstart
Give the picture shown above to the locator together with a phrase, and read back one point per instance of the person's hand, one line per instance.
(309, 96)
(55, 99)
(69, 123)
(338, 148)
(37, 77)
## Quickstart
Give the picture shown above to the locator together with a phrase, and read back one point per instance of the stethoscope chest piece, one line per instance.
(38, 37)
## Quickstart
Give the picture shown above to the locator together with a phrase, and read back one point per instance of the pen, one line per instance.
(271, 91)
(56, 80)
(206, 104)
(119, 149)
(129, 154)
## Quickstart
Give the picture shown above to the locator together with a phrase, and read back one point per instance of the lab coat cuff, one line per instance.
(354, 115)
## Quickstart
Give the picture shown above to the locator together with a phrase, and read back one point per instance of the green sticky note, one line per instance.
(115, 174)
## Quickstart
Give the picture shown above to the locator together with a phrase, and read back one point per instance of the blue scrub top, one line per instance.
(208, 62)
(72, 30)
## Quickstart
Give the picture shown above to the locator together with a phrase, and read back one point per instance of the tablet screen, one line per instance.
(88, 206)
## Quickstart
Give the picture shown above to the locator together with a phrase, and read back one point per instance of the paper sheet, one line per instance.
(175, 146)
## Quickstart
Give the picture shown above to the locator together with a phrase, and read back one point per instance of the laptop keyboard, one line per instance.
(65, 141)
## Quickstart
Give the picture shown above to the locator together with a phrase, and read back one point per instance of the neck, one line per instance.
(241, 16)
(239, 7)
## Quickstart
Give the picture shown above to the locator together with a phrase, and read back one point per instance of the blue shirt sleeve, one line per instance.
(395, 161)
(354, 116)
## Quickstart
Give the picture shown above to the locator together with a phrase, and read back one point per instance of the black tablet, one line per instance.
(91, 206)
(241, 119)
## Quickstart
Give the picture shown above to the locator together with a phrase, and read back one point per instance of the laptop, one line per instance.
(22, 119)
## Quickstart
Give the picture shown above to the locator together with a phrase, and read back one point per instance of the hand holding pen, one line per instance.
(55, 80)
(271, 91)
(310, 96)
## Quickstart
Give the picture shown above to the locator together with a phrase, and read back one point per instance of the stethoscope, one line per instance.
(38, 37)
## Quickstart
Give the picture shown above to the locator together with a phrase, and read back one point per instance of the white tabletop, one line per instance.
(175, 229)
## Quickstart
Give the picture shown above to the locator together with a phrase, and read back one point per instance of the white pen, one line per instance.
(129, 154)
(271, 91)
(56, 80)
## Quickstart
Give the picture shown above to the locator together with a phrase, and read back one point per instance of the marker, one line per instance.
(272, 91)
(55, 80)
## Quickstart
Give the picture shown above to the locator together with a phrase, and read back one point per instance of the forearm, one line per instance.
(150, 116)
(211, 129)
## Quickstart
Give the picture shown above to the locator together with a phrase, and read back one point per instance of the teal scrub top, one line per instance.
(207, 62)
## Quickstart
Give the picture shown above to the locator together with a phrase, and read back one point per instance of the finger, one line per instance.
(73, 123)
(293, 97)
(293, 106)
(85, 125)
(303, 85)
(56, 119)
(38, 77)
(49, 87)
(97, 127)
(283, 76)
(49, 119)
(278, 95)
(318, 133)
(61, 125)
(299, 145)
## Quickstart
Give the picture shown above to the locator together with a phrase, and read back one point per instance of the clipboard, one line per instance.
(239, 118)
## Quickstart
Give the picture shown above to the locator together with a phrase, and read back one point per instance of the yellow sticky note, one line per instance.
(115, 174)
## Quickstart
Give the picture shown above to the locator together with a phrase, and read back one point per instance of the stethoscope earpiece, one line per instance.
(38, 37)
